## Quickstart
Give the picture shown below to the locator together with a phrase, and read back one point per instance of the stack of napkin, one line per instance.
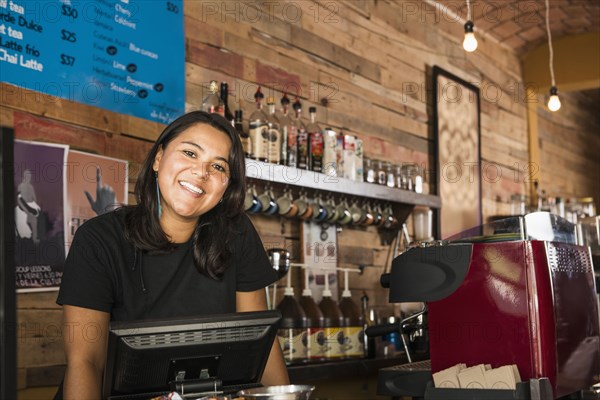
(478, 377)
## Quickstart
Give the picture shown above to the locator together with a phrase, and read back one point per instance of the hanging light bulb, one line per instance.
(553, 101)
(470, 43)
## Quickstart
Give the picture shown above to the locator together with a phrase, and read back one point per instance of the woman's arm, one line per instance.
(85, 336)
(275, 371)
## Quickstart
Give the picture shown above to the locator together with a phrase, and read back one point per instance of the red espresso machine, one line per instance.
(515, 291)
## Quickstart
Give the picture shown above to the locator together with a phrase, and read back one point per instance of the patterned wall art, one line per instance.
(458, 162)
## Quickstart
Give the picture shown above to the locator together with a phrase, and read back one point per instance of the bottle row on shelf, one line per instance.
(281, 137)
(329, 330)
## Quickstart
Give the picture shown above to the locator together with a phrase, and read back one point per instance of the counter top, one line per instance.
(349, 368)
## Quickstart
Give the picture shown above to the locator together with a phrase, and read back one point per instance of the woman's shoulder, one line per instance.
(242, 223)
(105, 226)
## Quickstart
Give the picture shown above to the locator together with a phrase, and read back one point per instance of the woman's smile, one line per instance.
(193, 173)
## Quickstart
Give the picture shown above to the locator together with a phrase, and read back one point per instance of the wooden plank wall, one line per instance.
(569, 147)
(364, 64)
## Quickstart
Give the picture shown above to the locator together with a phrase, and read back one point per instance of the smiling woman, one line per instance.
(185, 249)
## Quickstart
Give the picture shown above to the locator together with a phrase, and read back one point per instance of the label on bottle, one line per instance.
(339, 155)
(274, 151)
(354, 345)
(292, 146)
(246, 145)
(329, 153)
(317, 343)
(293, 343)
(283, 145)
(335, 342)
(350, 157)
(217, 110)
(302, 149)
(358, 160)
(259, 135)
(316, 152)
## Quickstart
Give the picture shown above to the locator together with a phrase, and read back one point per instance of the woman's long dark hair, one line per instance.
(212, 237)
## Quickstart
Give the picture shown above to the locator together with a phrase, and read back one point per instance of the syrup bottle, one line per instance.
(353, 324)
(334, 325)
(292, 331)
(315, 331)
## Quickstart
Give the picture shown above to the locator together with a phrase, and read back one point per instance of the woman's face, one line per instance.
(193, 173)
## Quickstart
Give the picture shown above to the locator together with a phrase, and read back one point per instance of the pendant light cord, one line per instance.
(469, 10)
(549, 43)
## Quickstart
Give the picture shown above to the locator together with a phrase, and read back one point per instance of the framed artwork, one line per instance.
(457, 133)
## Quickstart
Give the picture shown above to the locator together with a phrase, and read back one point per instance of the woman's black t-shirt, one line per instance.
(104, 272)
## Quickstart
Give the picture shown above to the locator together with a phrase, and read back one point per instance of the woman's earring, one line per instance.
(158, 195)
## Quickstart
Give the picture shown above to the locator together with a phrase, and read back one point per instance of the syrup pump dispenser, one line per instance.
(353, 323)
(334, 321)
(293, 326)
(315, 331)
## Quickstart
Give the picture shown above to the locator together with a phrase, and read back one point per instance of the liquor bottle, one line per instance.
(353, 326)
(292, 330)
(224, 98)
(259, 130)
(315, 142)
(301, 137)
(284, 124)
(315, 331)
(330, 152)
(239, 127)
(274, 148)
(212, 103)
(292, 140)
(334, 322)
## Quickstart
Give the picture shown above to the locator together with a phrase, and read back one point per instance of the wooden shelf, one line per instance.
(314, 180)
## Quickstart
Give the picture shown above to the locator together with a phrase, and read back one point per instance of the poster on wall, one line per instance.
(95, 185)
(39, 182)
(112, 54)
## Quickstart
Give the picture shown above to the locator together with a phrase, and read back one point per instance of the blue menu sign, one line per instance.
(126, 56)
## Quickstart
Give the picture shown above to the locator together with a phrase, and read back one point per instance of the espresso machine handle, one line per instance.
(381, 330)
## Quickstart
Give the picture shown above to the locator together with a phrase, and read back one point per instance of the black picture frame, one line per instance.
(457, 143)
(8, 319)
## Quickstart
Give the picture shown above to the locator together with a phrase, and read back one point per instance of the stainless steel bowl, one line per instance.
(286, 392)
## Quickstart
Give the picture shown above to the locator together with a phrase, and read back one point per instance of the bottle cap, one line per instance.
(288, 291)
(326, 293)
(213, 88)
(312, 109)
(258, 94)
(297, 105)
(284, 100)
(307, 292)
(270, 100)
(346, 293)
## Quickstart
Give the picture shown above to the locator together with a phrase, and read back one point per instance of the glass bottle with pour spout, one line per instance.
(259, 130)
